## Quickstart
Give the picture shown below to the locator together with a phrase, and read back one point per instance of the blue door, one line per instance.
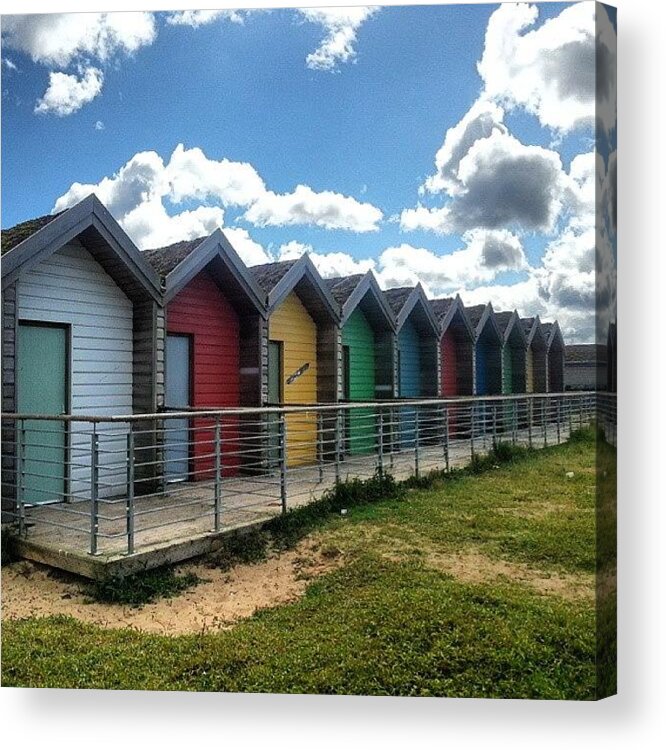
(42, 389)
(177, 396)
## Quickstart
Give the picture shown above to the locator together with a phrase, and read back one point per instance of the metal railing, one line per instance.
(116, 485)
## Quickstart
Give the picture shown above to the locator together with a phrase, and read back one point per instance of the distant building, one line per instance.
(585, 367)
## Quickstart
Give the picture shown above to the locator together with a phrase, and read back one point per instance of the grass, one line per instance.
(389, 621)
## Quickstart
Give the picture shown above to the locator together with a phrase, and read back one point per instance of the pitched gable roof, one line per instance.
(269, 275)
(342, 287)
(89, 222)
(16, 234)
(165, 259)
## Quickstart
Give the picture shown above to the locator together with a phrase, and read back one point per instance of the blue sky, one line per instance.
(361, 131)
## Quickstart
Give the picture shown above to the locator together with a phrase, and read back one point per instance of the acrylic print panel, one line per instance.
(323, 537)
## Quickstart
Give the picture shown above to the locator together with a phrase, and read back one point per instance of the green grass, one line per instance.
(386, 623)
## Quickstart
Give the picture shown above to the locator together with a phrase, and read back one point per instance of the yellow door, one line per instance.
(529, 361)
(292, 325)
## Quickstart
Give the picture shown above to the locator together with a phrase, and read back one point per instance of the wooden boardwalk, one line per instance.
(180, 522)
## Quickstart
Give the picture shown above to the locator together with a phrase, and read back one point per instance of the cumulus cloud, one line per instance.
(250, 251)
(481, 121)
(196, 18)
(341, 26)
(328, 264)
(548, 70)
(58, 39)
(68, 93)
(305, 206)
(146, 182)
(484, 256)
(500, 183)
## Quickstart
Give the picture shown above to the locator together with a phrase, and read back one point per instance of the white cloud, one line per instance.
(191, 176)
(9, 64)
(548, 70)
(341, 26)
(328, 264)
(68, 93)
(305, 206)
(99, 125)
(251, 252)
(196, 18)
(58, 39)
(485, 255)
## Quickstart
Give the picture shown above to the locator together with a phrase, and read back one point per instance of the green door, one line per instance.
(42, 389)
(274, 398)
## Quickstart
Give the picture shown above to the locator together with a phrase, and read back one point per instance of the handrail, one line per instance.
(291, 408)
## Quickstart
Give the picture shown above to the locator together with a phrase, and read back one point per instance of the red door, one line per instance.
(202, 311)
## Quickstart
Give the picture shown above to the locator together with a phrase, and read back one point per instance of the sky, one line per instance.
(448, 145)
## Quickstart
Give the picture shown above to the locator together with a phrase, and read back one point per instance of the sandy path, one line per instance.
(30, 590)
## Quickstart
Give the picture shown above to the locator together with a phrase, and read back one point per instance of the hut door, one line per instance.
(178, 396)
(275, 397)
(43, 389)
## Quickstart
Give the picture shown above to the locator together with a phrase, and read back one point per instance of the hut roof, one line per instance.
(475, 313)
(15, 235)
(503, 319)
(269, 275)
(398, 297)
(90, 223)
(442, 306)
(342, 287)
(165, 259)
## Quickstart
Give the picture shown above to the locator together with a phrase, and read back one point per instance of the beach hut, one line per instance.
(417, 352)
(514, 348)
(82, 325)
(536, 363)
(456, 347)
(555, 357)
(367, 354)
(488, 350)
(303, 349)
(215, 314)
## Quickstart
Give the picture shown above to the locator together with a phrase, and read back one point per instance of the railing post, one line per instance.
(416, 442)
(580, 412)
(472, 428)
(283, 461)
(20, 475)
(530, 415)
(559, 417)
(446, 437)
(544, 412)
(218, 473)
(381, 442)
(320, 445)
(94, 490)
(129, 506)
(337, 445)
(494, 424)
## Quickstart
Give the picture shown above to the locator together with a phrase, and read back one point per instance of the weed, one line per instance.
(243, 547)
(142, 588)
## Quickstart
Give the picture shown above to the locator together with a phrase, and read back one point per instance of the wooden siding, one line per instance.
(9, 311)
(556, 369)
(360, 338)
(202, 311)
(529, 371)
(70, 287)
(291, 324)
(449, 358)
